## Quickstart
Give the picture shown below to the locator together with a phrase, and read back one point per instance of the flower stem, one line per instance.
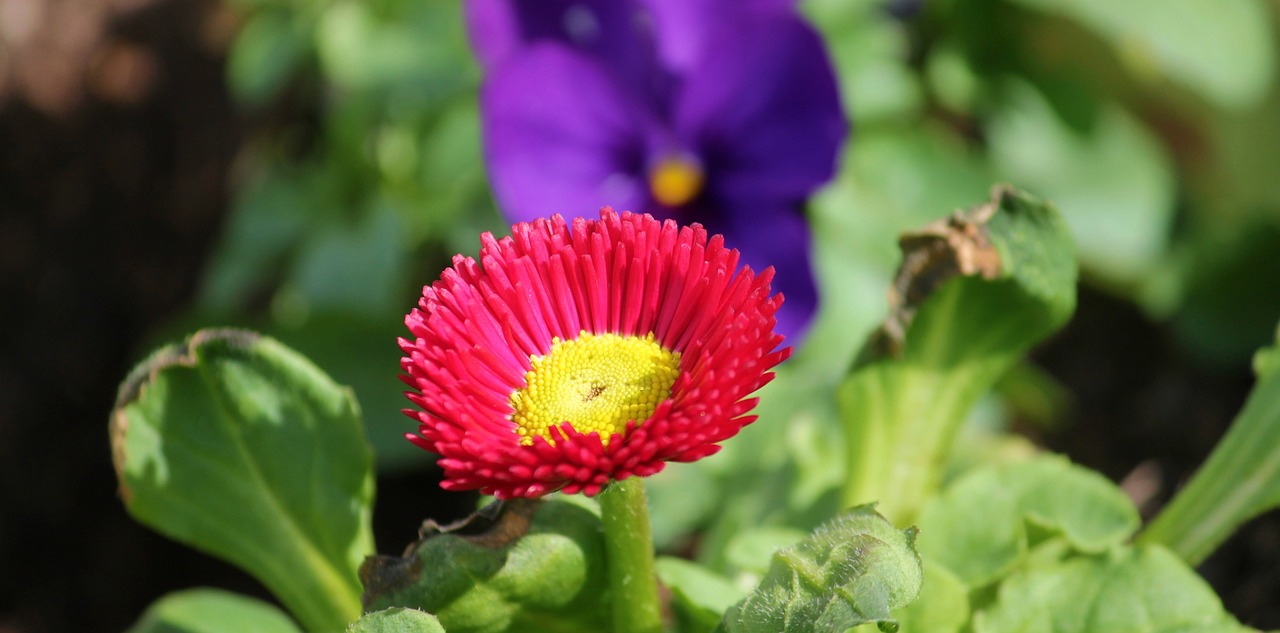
(1239, 480)
(624, 509)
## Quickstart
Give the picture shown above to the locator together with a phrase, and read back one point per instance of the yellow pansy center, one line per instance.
(675, 180)
(596, 382)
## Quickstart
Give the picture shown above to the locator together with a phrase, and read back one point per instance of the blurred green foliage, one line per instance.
(364, 179)
(1153, 127)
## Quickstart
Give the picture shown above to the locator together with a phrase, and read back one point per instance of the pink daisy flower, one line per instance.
(575, 354)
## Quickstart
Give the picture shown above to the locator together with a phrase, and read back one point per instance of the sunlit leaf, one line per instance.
(240, 447)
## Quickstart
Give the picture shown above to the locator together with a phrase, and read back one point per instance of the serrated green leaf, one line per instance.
(977, 528)
(1129, 590)
(1230, 64)
(1239, 480)
(974, 294)
(701, 596)
(396, 620)
(240, 447)
(852, 570)
(518, 566)
(207, 610)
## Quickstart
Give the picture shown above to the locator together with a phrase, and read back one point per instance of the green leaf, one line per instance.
(1129, 590)
(1113, 183)
(978, 527)
(853, 569)
(891, 180)
(1239, 480)
(396, 620)
(974, 293)
(360, 352)
(751, 549)
(681, 498)
(238, 446)
(518, 565)
(700, 596)
(943, 605)
(208, 610)
(361, 52)
(1233, 55)
(870, 51)
(1230, 302)
(268, 49)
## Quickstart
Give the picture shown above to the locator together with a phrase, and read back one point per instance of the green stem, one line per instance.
(1240, 480)
(624, 509)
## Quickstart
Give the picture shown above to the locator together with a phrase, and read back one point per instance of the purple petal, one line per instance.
(763, 109)
(617, 33)
(778, 237)
(562, 135)
(683, 27)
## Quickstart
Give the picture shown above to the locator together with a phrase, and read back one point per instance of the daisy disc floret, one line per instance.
(572, 354)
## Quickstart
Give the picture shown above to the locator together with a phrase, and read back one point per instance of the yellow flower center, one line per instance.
(675, 181)
(596, 382)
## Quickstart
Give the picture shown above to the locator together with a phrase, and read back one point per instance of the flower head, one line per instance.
(722, 112)
(575, 354)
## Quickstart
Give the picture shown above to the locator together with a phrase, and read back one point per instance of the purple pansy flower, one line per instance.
(723, 112)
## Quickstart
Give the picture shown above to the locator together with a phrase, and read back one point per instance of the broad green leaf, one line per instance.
(515, 566)
(974, 293)
(1113, 184)
(854, 569)
(978, 527)
(701, 596)
(240, 447)
(1239, 480)
(1129, 590)
(943, 605)
(396, 620)
(207, 610)
(1222, 49)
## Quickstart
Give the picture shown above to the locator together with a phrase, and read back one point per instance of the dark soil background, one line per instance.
(117, 138)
